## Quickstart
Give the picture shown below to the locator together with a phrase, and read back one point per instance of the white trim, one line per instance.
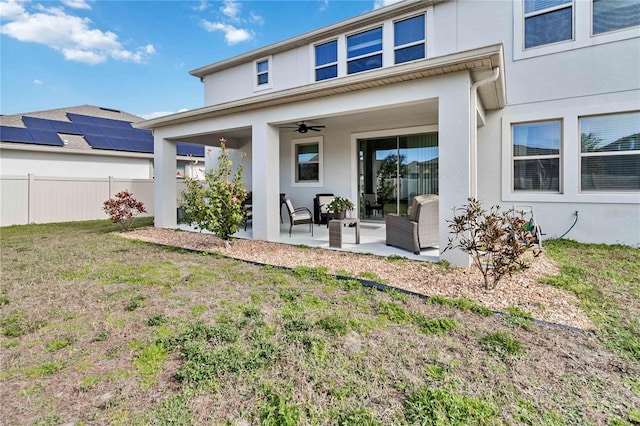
(570, 157)
(269, 84)
(582, 37)
(582, 155)
(294, 160)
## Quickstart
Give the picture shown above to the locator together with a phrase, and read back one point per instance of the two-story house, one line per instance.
(524, 102)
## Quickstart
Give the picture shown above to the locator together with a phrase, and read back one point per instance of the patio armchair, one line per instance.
(419, 229)
(299, 216)
(320, 211)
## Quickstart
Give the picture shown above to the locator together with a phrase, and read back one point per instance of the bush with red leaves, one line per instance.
(123, 209)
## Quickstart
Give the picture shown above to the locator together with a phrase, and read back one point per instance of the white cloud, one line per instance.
(256, 19)
(157, 114)
(11, 9)
(231, 9)
(71, 35)
(232, 34)
(324, 6)
(202, 6)
(377, 4)
(36, 81)
(76, 4)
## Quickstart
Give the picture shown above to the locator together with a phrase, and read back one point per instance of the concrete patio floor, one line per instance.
(372, 240)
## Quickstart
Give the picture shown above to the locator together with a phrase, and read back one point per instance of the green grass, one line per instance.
(607, 280)
(102, 330)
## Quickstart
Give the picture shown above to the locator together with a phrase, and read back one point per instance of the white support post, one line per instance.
(456, 164)
(265, 165)
(165, 188)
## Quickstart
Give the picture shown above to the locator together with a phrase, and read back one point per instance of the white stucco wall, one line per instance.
(73, 165)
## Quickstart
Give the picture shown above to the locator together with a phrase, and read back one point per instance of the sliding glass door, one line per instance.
(393, 170)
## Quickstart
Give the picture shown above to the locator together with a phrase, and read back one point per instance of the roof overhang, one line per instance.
(324, 33)
(479, 62)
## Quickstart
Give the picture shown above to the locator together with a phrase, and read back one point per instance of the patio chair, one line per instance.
(299, 216)
(372, 204)
(419, 229)
(320, 212)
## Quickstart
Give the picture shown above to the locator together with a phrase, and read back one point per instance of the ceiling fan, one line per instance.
(303, 128)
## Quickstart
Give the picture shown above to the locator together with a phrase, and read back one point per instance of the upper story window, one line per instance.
(610, 152)
(547, 22)
(364, 51)
(536, 156)
(612, 15)
(326, 55)
(263, 77)
(409, 39)
(262, 72)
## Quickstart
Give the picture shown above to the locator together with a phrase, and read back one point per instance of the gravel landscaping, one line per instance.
(523, 290)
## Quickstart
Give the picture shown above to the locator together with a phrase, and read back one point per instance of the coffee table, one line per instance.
(335, 230)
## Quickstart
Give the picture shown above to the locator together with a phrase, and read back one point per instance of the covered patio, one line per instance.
(372, 239)
(445, 97)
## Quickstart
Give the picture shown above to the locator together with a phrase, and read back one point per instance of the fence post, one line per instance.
(110, 187)
(31, 204)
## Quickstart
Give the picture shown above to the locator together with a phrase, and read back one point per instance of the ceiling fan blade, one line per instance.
(314, 129)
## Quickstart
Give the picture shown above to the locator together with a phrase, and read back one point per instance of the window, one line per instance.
(610, 152)
(262, 72)
(364, 51)
(611, 15)
(307, 161)
(547, 21)
(409, 39)
(327, 60)
(536, 156)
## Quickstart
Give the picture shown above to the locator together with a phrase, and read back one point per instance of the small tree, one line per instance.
(215, 203)
(123, 209)
(496, 240)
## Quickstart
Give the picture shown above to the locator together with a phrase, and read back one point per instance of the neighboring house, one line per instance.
(84, 141)
(60, 165)
(532, 103)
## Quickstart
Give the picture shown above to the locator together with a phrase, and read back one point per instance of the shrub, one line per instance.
(123, 209)
(215, 203)
(496, 240)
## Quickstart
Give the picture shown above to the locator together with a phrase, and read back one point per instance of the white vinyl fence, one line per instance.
(38, 199)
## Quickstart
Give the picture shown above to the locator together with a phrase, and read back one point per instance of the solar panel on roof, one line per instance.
(44, 137)
(77, 118)
(51, 125)
(98, 142)
(15, 134)
(37, 123)
(64, 127)
(189, 149)
(89, 129)
(113, 132)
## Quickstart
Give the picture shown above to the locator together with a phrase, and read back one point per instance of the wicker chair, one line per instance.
(320, 212)
(299, 216)
(417, 230)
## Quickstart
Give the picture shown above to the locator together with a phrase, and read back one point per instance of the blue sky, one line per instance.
(135, 56)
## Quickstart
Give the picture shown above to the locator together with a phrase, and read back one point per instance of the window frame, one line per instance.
(582, 155)
(368, 54)
(256, 74)
(422, 42)
(319, 140)
(328, 64)
(515, 158)
(592, 18)
(525, 16)
(582, 33)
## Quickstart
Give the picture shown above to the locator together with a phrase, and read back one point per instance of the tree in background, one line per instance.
(215, 204)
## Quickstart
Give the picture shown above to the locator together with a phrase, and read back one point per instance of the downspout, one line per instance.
(473, 190)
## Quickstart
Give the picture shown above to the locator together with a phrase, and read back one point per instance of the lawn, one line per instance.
(103, 330)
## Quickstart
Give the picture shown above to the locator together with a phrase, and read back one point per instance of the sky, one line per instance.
(135, 56)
